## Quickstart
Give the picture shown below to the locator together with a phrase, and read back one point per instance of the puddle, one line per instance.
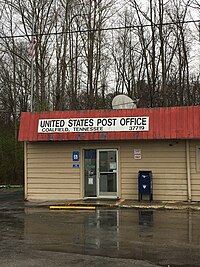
(162, 237)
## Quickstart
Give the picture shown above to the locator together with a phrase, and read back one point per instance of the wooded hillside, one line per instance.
(79, 54)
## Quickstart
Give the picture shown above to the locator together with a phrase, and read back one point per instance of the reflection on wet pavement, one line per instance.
(164, 237)
(161, 237)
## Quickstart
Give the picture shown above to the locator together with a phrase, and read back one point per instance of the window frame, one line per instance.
(198, 158)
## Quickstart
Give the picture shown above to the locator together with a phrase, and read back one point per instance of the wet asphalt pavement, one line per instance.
(37, 236)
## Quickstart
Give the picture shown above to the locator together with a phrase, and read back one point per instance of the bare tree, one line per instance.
(93, 17)
(127, 57)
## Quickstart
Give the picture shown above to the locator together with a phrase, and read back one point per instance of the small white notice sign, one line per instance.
(113, 165)
(90, 180)
(137, 153)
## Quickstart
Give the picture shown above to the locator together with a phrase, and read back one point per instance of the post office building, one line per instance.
(99, 153)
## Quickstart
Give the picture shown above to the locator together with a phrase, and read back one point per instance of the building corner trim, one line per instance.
(188, 171)
(25, 171)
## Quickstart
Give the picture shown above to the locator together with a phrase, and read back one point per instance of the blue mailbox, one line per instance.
(145, 185)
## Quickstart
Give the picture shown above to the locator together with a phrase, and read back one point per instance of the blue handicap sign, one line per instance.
(75, 156)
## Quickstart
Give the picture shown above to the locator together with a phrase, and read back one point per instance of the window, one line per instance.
(198, 159)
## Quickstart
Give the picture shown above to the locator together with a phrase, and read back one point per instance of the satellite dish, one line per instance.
(123, 102)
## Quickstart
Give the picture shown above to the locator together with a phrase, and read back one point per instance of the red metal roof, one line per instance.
(164, 123)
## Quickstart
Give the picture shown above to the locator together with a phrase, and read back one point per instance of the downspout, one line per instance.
(25, 171)
(188, 171)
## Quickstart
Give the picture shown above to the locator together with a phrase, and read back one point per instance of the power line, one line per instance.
(102, 29)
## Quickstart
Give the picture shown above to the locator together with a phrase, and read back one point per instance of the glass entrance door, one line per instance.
(90, 184)
(107, 173)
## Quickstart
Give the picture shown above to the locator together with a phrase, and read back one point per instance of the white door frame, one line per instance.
(98, 174)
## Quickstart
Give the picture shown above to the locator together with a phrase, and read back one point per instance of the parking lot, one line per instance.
(33, 235)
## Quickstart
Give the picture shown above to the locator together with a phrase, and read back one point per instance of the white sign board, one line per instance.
(112, 124)
(137, 153)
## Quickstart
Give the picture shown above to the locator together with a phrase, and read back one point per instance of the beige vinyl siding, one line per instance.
(166, 160)
(50, 174)
(195, 173)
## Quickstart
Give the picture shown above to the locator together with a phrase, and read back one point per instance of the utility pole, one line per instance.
(32, 55)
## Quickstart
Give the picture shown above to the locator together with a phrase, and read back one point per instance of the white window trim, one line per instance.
(198, 158)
